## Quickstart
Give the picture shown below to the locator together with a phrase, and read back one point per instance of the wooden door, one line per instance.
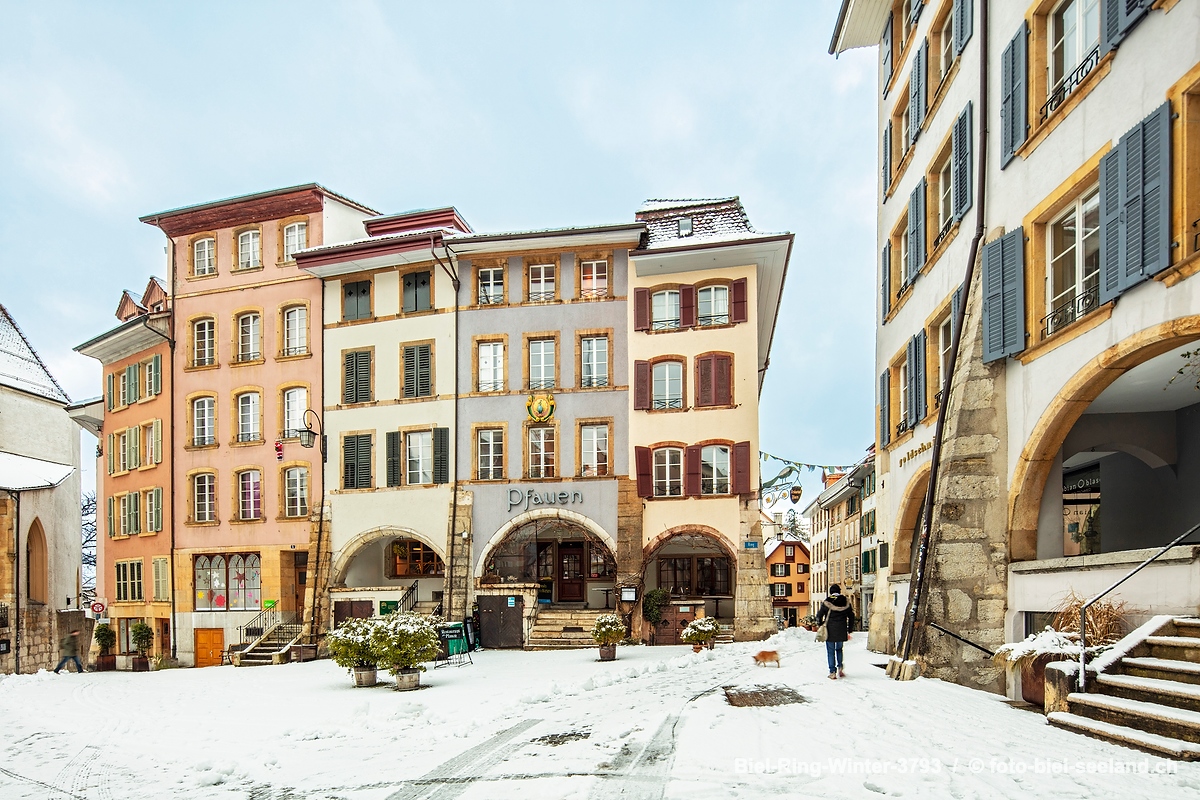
(210, 646)
(674, 619)
(501, 624)
(570, 572)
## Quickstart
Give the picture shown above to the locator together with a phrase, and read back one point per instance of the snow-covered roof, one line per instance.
(20, 366)
(661, 204)
(713, 221)
(21, 473)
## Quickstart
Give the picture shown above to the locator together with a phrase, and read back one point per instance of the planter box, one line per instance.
(140, 664)
(365, 676)
(407, 680)
(1033, 679)
(106, 663)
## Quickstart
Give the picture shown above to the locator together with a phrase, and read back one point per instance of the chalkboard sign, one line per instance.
(453, 647)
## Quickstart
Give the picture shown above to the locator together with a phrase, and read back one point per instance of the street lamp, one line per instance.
(308, 437)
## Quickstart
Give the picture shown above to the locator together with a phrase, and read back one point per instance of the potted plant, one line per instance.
(105, 638)
(352, 646)
(809, 622)
(653, 603)
(405, 640)
(143, 639)
(607, 631)
(701, 632)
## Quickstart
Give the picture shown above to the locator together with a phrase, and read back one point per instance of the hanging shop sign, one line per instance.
(532, 497)
(1085, 480)
(540, 407)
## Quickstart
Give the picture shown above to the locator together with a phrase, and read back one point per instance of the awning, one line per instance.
(21, 473)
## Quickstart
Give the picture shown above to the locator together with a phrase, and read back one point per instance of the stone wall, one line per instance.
(630, 552)
(459, 591)
(753, 616)
(316, 592)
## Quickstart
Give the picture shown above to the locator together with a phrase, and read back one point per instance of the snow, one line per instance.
(551, 724)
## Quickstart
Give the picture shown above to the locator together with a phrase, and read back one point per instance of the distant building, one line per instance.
(788, 570)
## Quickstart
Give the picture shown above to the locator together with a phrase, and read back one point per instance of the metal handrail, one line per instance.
(408, 600)
(1083, 609)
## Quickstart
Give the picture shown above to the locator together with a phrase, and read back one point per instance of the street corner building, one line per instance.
(40, 520)
(1068, 190)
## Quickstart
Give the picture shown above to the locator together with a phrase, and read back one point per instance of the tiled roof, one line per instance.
(713, 221)
(20, 367)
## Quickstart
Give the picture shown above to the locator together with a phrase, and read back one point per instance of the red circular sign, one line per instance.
(97, 608)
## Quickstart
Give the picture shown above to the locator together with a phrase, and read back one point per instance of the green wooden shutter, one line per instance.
(885, 432)
(1004, 296)
(132, 384)
(110, 392)
(111, 451)
(362, 376)
(349, 462)
(156, 365)
(111, 517)
(441, 455)
(885, 282)
(156, 432)
(964, 23)
(1014, 83)
(348, 366)
(960, 168)
(135, 447)
(885, 54)
(410, 372)
(158, 509)
(424, 370)
(364, 467)
(1110, 225)
(392, 453)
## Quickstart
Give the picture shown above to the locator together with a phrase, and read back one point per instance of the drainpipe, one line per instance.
(448, 599)
(16, 496)
(926, 522)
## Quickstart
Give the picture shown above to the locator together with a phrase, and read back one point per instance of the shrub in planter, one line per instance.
(404, 641)
(352, 646)
(105, 638)
(700, 632)
(607, 631)
(143, 639)
(1032, 655)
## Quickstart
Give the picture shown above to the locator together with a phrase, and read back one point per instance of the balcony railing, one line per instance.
(250, 436)
(204, 360)
(541, 383)
(592, 381)
(667, 402)
(290, 433)
(204, 440)
(247, 355)
(491, 296)
(1069, 83)
(902, 426)
(491, 386)
(1070, 311)
(294, 351)
(592, 294)
(704, 320)
(665, 324)
(540, 295)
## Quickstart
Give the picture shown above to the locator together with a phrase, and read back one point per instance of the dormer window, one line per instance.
(685, 226)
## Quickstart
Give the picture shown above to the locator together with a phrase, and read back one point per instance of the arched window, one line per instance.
(249, 342)
(667, 389)
(219, 591)
(39, 575)
(237, 583)
(204, 257)
(668, 472)
(249, 406)
(253, 582)
(204, 342)
(203, 581)
(713, 305)
(664, 310)
(295, 331)
(295, 237)
(249, 250)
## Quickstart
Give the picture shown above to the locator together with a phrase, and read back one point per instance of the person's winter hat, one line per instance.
(834, 589)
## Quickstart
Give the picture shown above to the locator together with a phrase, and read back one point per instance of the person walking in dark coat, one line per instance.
(68, 646)
(838, 617)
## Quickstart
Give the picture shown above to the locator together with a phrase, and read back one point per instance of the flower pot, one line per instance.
(106, 663)
(365, 676)
(408, 679)
(141, 664)
(608, 652)
(696, 648)
(1033, 678)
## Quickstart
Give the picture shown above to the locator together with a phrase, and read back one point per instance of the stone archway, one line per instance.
(908, 521)
(349, 551)
(521, 520)
(1037, 457)
(682, 530)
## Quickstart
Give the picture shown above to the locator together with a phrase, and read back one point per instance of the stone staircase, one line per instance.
(563, 628)
(426, 607)
(726, 634)
(263, 651)
(1147, 695)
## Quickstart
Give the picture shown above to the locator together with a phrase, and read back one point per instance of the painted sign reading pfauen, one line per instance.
(517, 499)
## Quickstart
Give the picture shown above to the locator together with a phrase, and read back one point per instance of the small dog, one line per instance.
(765, 656)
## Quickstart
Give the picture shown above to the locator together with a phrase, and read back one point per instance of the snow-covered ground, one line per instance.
(654, 723)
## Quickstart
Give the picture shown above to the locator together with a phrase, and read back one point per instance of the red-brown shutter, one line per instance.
(641, 385)
(739, 311)
(691, 471)
(687, 306)
(741, 468)
(722, 380)
(641, 309)
(704, 381)
(641, 461)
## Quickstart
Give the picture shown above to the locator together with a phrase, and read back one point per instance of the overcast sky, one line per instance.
(521, 114)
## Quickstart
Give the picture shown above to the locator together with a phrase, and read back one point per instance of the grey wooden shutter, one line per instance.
(363, 466)
(964, 22)
(410, 292)
(917, 91)
(1146, 197)
(392, 451)
(1132, 12)
(410, 372)
(424, 370)
(885, 282)
(885, 54)
(910, 389)
(956, 305)
(960, 168)
(1014, 83)
(156, 364)
(349, 365)
(917, 7)
(1004, 296)
(921, 389)
(441, 455)
(916, 233)
(887, 159)
(349, 462)
(424, 281)
(885, 428)
(1110, 225)
(362, 376)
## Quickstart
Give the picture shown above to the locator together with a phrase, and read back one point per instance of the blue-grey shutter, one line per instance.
(1146, 196)
(393, 457)
(917, 86)
(960, 169)
(917, 7)
(964, 22)
(887, 159)
(441, 455)
(921, 390)
(362, 376)
(1132, 12)
(349, 366)
(410, 292)
(1014, 83)
(410, 372)
(885, 54)
(1004, 296)
(956, 306)
(1110, 24)
(916, 233)
(1110, 225)
(910, 390)
(885, 432)
(350, 462)
(424, 370)
(885, 282)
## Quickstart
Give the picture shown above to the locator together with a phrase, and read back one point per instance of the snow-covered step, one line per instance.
(1184, 648)
(1176, 748)
(1154, 690)
(1156, 718)
(1166, 668)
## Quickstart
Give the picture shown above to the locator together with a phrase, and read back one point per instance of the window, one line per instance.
(780, 590)
(779, 570)
(541, 282)
(418, 449)
(210, 582)
(945, 339)
(789, 551)
(295, 487)
(541, 452)
(249, 250)
(684, 226)
(594, 358)
(204, 340)
(601, 564)
(946, 47)
(129, 523)
(491, 366)
(541, 364)
(152, 442)
(1073, 282)
(712, 576)
(416, 292)
(664, 310)
(668, 385)
(411, 558)
(204, 497)
(1074, 34)
(249, 416)
(250, 495)
(245, 583)
(124, 462)
(129, 581)
(356, 461)
(356, 300)
(491, 286)
(295, 238)
(713, 380)
(714, 470)
(491, 454)
(203, 422)
(593, 279)
(675, 575)
(249, 337)
(944, 191)
(668, 472)
(594, 445)
(418, 370)
(713, 302)
(295, 403)
(356, 383)
(152, 370)
(152, 502)
(295, 331)
(162, 579)
(204, 257)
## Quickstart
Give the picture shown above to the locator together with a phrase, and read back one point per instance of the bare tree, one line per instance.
(87, 507)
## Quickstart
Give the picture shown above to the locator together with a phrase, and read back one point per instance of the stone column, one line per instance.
(316, 592)
(630, 549)
(460, 583)
(753, 618)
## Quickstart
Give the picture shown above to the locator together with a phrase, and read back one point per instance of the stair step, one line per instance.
(1175, 693)
(1151, 717)
(1176, 748)
(1169, 668)
(1174, 641)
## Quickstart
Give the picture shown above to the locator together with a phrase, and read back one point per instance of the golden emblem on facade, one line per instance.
(540, 407)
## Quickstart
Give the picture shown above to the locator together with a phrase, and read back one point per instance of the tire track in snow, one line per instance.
(451, 779)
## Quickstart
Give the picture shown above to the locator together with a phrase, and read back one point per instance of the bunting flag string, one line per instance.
(787, 482)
